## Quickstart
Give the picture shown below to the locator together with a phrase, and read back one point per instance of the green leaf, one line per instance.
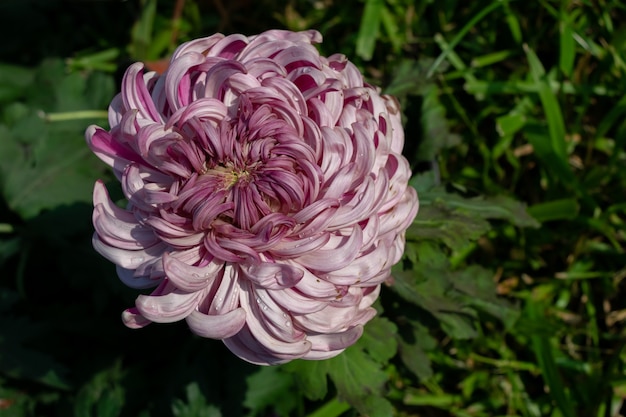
(21, 362)
(379, 339)
(8, 248)
(567, 51)
(392, 30)
(357, 373)
(551, 107)
(563, 209)
(311, 376)
(477, 288)
(69, 92)
(460, 34)
(488, 208)
(510, 124)
(414, 352)
(44, 165)
(16, 402)
(195, 406)
(14, 80)
(358, 379)
(556, 164)
(57, 169)
(333, 408)
(511, 19)
(369, 28)
(440, 223)
(435, 127)
(429, 289)
(98, 61)
(409, 78)
(491, 58)
(141, 33)
(267, 388)
(103, 395)
(455, 221)
(543, 350)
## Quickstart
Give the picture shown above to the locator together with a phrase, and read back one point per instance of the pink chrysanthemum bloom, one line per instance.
(267, 194)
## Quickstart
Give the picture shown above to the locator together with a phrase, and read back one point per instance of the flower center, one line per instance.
(228, 175)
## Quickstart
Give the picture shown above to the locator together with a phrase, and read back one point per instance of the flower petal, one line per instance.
(336, 254)
(133, 319)
(129, 259)
(219, 326)
(187, 277)
(169, 307)
(328, 345)
(273, 276)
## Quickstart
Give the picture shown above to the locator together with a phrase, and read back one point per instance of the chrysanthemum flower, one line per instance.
(267, 194)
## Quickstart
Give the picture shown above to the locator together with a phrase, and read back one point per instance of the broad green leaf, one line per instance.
(267, 388)
(99, 91)
(358, 379)
(454, 228)
(103, 396)
(311, 376)
(489, 208)
(429, 289)
(47, 164)
(58, 169)
(379, 339)
(477, 289)
(424, 182)
(20, 361)
(14, 80)
(70, 93)
(376, 406)
(357, 373)
(414, 352)
(435, 127)
(195, 405)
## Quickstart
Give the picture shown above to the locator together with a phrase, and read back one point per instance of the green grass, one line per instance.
(495, 311)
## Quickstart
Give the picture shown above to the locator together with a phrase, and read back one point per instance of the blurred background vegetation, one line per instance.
(510, 300)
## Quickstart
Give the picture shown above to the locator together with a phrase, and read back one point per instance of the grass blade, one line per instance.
(477, 18)
(545, 359)
(368, 31)
(550, 104)
(333, 408)
(567, 50)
